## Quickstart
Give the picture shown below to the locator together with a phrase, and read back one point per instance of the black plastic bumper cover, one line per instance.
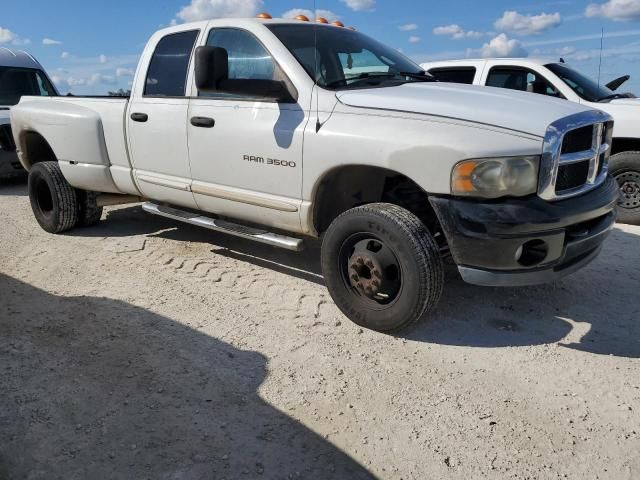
(486, 238)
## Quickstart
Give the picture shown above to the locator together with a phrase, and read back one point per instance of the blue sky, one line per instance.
(92, 47)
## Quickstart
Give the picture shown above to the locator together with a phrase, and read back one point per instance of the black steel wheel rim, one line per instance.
(629, 183)
(370, 270)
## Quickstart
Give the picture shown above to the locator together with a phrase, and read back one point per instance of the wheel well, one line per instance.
(349, 187)
(36, 149)
(625, 145)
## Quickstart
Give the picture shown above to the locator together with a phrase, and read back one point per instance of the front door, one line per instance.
(157, 123)
(246, 153)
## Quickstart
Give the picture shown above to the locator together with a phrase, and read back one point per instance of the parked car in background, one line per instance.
(559, 80)
(20, 74)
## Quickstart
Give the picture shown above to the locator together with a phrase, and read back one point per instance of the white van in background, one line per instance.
(20, 74)
(557, 79)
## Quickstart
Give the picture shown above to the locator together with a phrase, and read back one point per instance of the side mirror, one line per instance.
(212, 67)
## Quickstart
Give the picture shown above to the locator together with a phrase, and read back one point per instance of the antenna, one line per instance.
(316, 67)
(600, 64)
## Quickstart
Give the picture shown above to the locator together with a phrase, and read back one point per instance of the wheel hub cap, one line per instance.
(629, 183)
(373, 271)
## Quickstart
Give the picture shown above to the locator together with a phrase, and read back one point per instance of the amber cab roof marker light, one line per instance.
(322, 20)
(264, 16)
(302, 18)
(337, 23)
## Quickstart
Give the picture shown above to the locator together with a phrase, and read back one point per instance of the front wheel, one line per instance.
(625, 168)
(382, 266)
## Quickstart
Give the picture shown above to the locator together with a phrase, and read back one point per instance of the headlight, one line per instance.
(496, 177)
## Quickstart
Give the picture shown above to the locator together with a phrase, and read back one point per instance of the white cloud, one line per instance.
(502, 46)
(103, 59)
(409, 27)
(518, 24)
(414, 39)
(60, 82)
(7, 36)
(206, 9)
(50, 41)
(328, 14)
(619, 10)
(124, 72)
(360, 5)
(65, 55)
(99, 78)
(456, 32)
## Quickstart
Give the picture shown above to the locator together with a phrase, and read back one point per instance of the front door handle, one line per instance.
(203, 122)
(139, 117)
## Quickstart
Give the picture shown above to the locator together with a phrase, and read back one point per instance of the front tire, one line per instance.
(625, 168)
(382, 266)
(53, 200)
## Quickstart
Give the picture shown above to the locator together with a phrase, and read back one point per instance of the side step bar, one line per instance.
(262, 236)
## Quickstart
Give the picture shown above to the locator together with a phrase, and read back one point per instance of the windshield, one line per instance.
(345, 58)
(16, 82)
(581, 84)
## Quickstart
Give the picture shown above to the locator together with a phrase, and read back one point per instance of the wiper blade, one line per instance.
(613, 96)
(422, 77)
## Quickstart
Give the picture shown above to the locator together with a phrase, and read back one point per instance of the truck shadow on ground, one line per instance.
(595, 310)
(98, 388)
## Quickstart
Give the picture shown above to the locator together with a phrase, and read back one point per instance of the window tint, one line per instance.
(167, 75)
(18, 82)
(248, 59)
(454, 75)
(339, 58)
(521, 79)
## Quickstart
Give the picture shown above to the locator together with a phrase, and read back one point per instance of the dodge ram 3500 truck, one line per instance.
(559, 80)
(277, 130)
(20, 74)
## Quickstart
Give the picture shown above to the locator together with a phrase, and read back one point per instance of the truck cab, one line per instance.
(20, 74)
(559, 80)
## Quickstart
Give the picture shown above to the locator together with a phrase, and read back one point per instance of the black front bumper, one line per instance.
(526, 241)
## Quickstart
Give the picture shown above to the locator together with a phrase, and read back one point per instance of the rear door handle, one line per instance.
(203, 122)
(139, 117)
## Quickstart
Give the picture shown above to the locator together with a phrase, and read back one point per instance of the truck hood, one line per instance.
(508, 109)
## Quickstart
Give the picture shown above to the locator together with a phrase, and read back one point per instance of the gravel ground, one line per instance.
(144, 349)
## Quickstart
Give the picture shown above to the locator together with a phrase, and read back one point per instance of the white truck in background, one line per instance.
(276, 130)
(20, 74)
(559, 80)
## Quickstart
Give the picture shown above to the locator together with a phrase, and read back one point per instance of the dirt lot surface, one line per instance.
(140, 348)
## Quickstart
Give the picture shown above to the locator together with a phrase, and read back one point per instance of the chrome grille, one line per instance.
(576, 155)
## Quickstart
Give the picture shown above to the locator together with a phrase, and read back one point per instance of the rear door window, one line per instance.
(167, 74)
(454, 75)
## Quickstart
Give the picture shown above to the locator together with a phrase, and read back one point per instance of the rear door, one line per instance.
(246, 152)
(157, 121)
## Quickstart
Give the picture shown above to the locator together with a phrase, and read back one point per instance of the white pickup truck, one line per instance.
(559, 80)
(278, 130)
